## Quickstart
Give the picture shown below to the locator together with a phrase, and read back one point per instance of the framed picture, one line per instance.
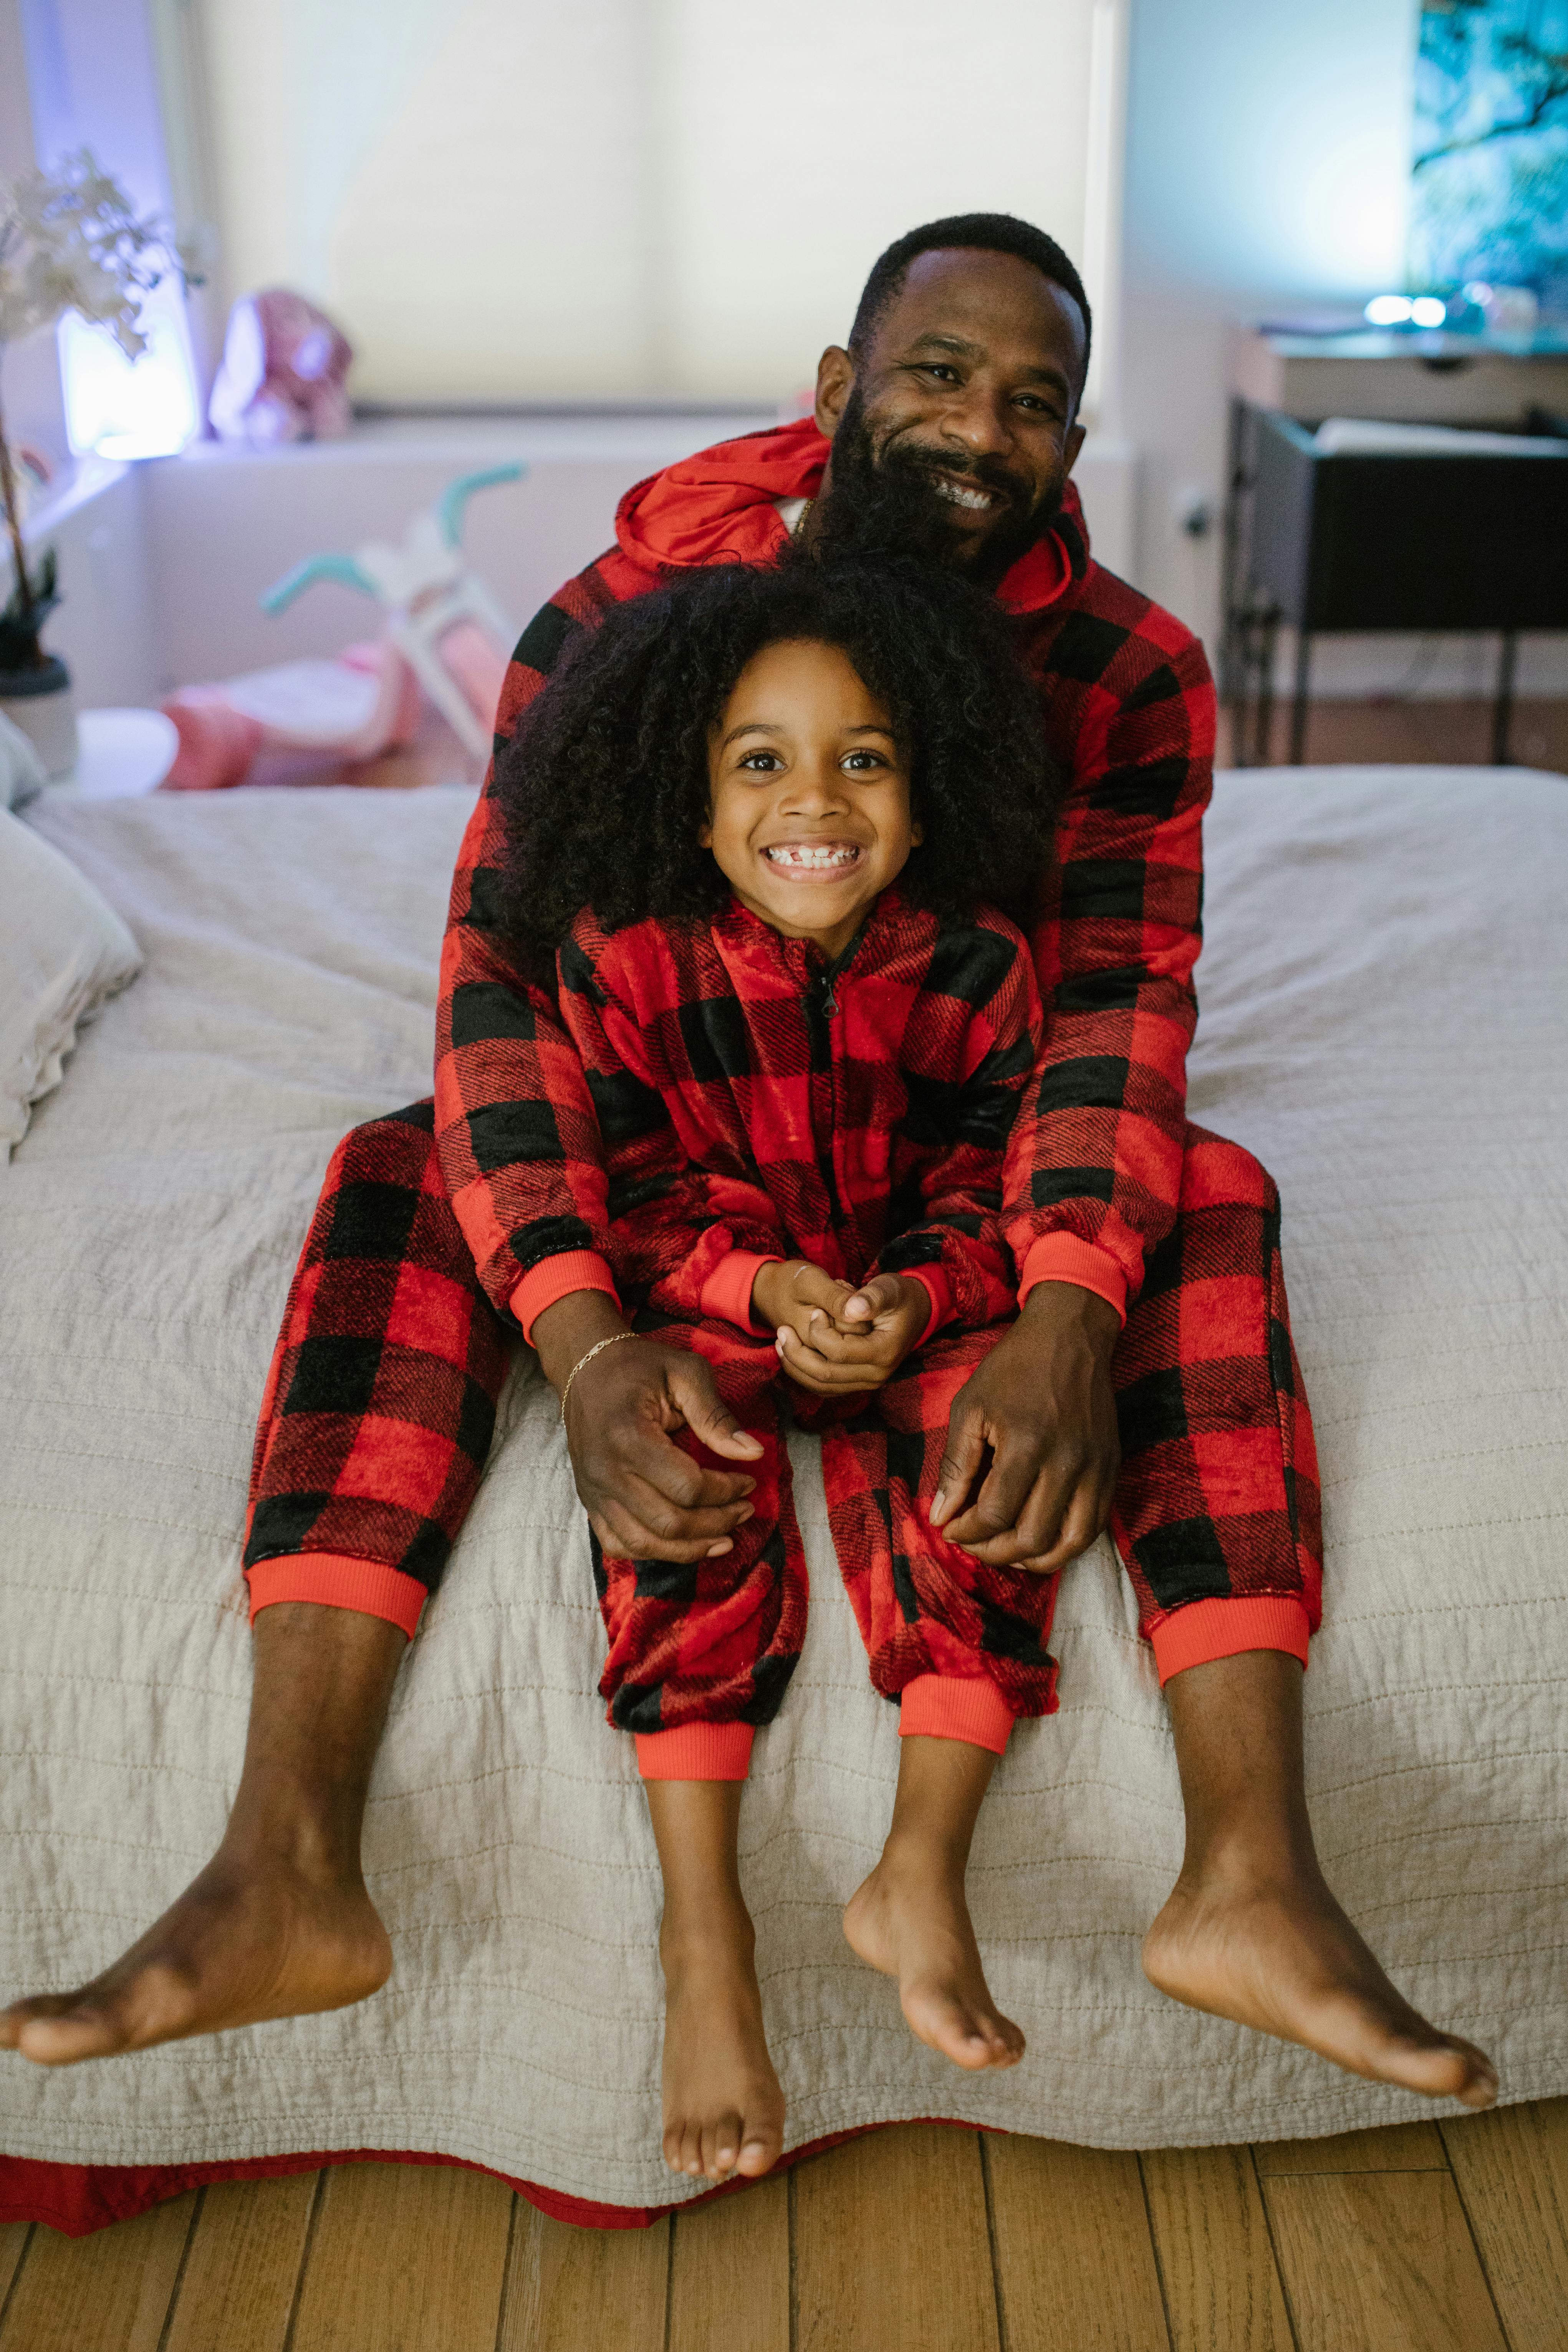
(1490, 195)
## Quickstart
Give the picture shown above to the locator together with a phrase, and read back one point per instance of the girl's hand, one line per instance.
(832, 1338)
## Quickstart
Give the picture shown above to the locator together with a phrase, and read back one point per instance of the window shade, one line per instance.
(508, 200)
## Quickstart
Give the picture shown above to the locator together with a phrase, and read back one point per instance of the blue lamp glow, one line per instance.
(1388, 310)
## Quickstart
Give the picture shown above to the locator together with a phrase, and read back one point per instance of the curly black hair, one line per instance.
(604, 784)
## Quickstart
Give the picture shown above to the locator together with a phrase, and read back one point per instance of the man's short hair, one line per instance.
(990, 233)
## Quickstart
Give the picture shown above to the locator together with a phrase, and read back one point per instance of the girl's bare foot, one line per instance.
(252, 1938)
(910, 1917)
(1276, 1952)
(723, 2109)
(910, 1920)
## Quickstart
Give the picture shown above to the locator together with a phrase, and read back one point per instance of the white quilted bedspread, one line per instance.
(1385, 1021)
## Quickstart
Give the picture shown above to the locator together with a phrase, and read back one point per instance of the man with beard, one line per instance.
(1149, 1382)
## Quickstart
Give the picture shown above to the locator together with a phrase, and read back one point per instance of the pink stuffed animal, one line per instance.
(283, 373)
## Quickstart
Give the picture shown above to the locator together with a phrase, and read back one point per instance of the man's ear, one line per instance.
(834, 383)
(1072, 445)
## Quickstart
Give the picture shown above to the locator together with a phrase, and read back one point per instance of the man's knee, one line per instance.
(1219, 1174)
(398, 1149)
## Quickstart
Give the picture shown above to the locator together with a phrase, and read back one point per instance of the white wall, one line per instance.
(1267, 161)
(1268, 149)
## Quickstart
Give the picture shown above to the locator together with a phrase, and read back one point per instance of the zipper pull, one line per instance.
(830, 1002)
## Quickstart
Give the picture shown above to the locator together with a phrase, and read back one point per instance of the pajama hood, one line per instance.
(720, 506)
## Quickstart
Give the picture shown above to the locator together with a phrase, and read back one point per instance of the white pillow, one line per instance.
(63, 949)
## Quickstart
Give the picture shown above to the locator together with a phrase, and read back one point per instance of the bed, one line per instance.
(1385, 1000)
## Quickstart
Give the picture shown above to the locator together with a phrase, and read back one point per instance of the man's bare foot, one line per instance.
(1252, 1931)
(723, 2109)
(1279, 1955)
(252, 1938)
(910, 1920)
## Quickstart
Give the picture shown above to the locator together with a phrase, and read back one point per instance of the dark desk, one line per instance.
(1366, 541)
(1379, 539)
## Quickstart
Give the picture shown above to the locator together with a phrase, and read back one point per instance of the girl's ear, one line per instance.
(917, 832)
(704, 836)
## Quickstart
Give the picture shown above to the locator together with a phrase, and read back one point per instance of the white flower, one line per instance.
(71, 241)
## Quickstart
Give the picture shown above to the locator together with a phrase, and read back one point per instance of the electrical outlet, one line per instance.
(1193, 511)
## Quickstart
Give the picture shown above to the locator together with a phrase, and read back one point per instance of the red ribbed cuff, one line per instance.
(1206, 1630)
(727, 1293)
(338, 1580)
(554, 1278)
(696, 1751)
(1066, 1257)
(934, 1283)
(953, 1706)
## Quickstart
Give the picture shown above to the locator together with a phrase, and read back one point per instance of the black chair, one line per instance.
(1368, 541)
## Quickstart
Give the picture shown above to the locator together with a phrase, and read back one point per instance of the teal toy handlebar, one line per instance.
(450, 506)
(305, 575)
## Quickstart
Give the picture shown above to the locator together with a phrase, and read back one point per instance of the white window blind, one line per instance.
(513, 199)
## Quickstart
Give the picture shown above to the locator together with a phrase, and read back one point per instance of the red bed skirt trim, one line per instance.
(77, 2198)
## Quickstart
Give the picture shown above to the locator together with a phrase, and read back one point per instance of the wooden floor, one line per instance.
(1441, 732)
(1426, 2237)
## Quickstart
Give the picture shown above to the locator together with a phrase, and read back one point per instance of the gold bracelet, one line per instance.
(597, 1348)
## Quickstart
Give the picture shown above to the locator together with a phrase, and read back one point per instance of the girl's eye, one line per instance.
(764, 762)
(862, 759)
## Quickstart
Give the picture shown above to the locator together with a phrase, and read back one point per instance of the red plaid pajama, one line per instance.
(370, 1449)
(1217, 1508)
(700, 1655)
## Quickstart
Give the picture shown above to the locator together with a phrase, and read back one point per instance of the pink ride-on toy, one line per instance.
(446, 638)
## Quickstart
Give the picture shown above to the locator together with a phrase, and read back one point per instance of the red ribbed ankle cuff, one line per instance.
(953, 1706)
(338, 1580)
(696, 1751)
(1206, 1630)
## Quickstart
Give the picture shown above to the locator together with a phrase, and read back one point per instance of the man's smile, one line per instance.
(961, 493)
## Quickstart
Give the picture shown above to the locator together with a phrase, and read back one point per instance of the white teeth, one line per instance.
(795, 853)
(978, 501)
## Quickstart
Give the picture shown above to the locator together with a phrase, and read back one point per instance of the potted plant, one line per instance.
(69, 241)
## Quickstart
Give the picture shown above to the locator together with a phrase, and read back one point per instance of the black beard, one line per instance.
(890, 508)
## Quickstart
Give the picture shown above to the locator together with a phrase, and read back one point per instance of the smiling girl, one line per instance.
(760, 826)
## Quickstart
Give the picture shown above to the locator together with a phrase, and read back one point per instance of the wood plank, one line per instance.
(109, 2293)
(890, 2245)
(1391, 2147)
(13, 2246)
(728, 2275)
(570, 2290)
(243, 2265)
(405, 2258)
(1512, 2166)
(1222, 2289)
(1380, 2262)
(1074, 2262)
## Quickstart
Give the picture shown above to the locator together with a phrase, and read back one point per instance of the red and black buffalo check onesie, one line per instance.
(428, 1248)
(755, 1102)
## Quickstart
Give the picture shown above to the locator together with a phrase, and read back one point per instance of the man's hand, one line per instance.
(1042, 1403)
(835, 1339)
(644, 1496)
